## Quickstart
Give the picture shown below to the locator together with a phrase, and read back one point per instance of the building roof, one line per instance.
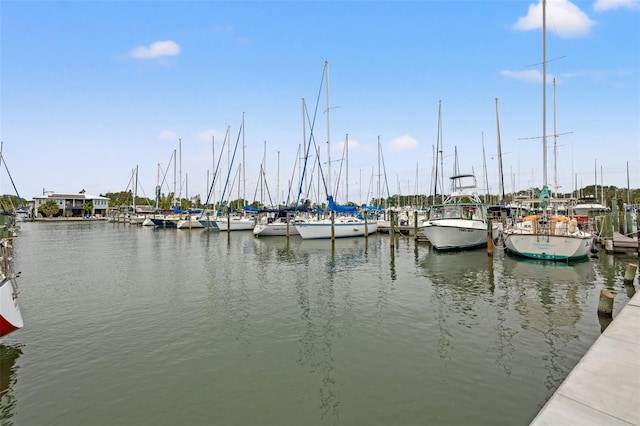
(70, 196)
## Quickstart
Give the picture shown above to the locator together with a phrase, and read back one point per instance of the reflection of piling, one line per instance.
(630, 273)
(605, 305)
(489, 239)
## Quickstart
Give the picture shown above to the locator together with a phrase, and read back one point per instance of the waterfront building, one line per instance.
(72, 204)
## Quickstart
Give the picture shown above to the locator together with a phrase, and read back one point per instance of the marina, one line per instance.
(227, 328)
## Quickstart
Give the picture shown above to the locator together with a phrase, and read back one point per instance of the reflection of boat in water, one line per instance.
(455, 264)
(8, 369)
(579, 272)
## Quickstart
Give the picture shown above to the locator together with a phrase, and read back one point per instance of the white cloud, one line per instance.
(338, 147)
(564, 19)
(168, 135)
(156, 50)
(531, 76)
(602, 5)
(403, 143)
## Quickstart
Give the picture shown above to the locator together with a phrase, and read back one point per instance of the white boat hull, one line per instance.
(452, 234)
(191, 223)
(548, 247)
(342, 229)
(274, 229)
(10, 315)
(236, 224)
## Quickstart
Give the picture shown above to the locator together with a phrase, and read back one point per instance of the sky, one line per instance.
(91, 91)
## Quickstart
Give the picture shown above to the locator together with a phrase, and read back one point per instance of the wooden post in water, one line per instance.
(288, 222)
(333, 223)
(415, 225)
(489, 239)
(630, 273)
(228, 221)
(392, 225)
(605, 304)
(366, 227)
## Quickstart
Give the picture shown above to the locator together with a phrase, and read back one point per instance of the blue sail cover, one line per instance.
(341, 209)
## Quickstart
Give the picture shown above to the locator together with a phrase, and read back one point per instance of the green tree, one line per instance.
(49, 208)
(88, 207)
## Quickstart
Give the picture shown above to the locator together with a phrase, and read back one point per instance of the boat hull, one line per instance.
(10, 315)
(274, 230)
(548, 247)
(322, 229)
(189, 224)
(234, 224)
(455, 234)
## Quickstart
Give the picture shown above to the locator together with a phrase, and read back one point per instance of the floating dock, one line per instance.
(604, 387)
(621, 244)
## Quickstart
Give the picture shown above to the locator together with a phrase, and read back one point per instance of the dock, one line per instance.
(604, 387)
(621, 244)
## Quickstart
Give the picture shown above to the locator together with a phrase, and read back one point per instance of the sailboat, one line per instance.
(546, 236)
(10, 315)
(344, 221)
(235, 222)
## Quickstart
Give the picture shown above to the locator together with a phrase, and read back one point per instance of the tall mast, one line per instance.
(346, 141)
(175, 166)
(500, 173)
(379, 173)
(326, 68)
(544, 92)
(244, 182)
(555, 145)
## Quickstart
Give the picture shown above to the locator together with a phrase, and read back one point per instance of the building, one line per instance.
(72, 205)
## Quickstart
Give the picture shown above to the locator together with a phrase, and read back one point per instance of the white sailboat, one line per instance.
(546, 236)
(10, 315)
(235, 222)
(344, 221)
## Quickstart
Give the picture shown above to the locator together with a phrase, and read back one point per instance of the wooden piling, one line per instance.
(605, 304)
(630, 273)
(489, 239)
(415, 225)
(333, 224)
(366, 226)
(392, 237)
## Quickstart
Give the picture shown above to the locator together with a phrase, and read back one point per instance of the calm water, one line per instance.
(131, 325)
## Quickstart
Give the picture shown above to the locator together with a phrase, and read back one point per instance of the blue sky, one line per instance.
(91, 90)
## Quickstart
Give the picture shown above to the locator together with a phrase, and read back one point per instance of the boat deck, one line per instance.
(604, 387)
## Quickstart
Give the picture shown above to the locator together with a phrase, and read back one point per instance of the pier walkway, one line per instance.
(604, 387)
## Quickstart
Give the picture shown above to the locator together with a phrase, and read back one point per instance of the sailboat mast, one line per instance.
(244, 182)
(544, 92)
(346, 141)
(326, 68)
(175, 168)
(500, 172)
(555, 144)
(379, 173)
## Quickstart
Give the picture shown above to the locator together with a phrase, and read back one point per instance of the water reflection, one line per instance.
(459, 280)
(8, 378)
(549, 297)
